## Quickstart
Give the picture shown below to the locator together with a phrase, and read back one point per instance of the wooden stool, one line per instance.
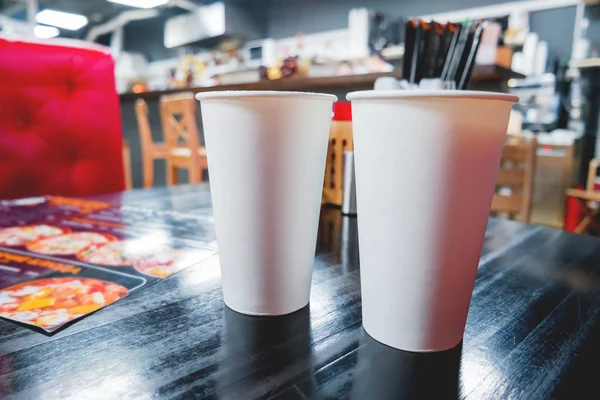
(588, 199)
(178, 115)
(517, 170)
(150, 150)
(127, 165)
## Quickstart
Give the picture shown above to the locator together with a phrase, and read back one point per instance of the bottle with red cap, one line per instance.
(340, 140)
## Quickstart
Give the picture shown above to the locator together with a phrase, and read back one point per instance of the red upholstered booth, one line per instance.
(60, 121)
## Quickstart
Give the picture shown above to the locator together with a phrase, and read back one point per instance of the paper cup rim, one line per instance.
(429, 94)
(262, 94)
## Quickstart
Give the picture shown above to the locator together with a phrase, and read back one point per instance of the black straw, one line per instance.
(468, 68)
(409, 44)
(451, 50)
(446, 52)
(416, 52)
(458, 52)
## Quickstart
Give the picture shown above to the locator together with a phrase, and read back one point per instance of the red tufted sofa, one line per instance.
(60, 121)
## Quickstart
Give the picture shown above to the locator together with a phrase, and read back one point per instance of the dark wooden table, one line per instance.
(533, 331)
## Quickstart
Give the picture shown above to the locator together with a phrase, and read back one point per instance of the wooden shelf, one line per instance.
(494, 72)
(480, 73)
(585, 63)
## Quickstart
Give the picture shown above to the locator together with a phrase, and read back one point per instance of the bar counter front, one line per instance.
(488, 77)
(533, 329)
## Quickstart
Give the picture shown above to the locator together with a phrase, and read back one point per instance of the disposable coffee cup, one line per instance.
(426, 166)
(266, 161)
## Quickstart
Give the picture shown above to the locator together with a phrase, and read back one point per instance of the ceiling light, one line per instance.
(141, 3)
(45, 32)
(61, 19)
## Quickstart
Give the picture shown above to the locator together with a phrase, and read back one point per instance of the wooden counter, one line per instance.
(533, 330)
(490, 78)
(481, 74)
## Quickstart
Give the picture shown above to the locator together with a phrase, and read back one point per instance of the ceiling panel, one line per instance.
(99, 11)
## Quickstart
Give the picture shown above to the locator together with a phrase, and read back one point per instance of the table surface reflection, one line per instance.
(533, 330)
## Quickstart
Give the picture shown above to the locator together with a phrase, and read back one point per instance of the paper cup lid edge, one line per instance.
(228, 94)
(406, 94)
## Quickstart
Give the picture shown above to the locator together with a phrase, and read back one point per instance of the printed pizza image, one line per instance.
(51, 302)
(116, 254)
(21, 235)
(164, 263)
(70, 243)
(158, 262)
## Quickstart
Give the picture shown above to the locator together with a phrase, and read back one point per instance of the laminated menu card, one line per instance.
(64, 258)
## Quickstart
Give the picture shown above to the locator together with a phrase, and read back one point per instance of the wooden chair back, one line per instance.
(127, 165)
(592, 174)
(340, 140)
(178, 116)
(587, 200)
(141, 115)
(514, 186)
(150, 149)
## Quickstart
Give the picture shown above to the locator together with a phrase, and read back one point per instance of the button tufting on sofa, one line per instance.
(60, 121)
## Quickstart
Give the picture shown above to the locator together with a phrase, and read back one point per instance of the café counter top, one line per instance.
(481, 73)
(533, 330)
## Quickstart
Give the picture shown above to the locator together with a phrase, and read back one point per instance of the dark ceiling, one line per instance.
(97, 11)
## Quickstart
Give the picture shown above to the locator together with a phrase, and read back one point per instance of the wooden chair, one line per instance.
(340, 140)
(150, 150)
(588, 199)
(514, 186)
(328, 238)
(127, 165)
(178, 115)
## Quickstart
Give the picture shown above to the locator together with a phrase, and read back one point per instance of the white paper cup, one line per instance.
(266, 157)
(426, 167)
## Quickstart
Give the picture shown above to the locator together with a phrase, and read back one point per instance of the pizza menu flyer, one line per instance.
(64, 258)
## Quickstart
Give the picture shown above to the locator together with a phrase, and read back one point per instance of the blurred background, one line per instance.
(217, 42)
(545, 51)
